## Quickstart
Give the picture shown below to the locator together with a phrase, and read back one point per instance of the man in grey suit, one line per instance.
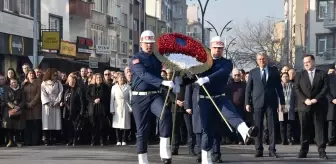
(264, 90)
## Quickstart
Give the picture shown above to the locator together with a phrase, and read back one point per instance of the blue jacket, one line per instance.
(218, 75)
(146, 69)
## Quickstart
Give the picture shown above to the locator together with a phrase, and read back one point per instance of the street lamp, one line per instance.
(230, 43)
(227, 28)
(203, 10)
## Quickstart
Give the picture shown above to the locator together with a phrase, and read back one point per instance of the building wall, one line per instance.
(78, 27)
(179, 16)
(12, 24)
(315, 28)
(58, 8)
(192, 13)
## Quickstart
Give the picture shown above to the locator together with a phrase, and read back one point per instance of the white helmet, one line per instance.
(147, 37)
(216, 41)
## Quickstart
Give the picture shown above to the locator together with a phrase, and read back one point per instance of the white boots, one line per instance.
(206, 157)
(243, 130)
(143, 158)
(165, 152)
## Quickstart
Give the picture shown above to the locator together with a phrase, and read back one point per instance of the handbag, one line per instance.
(14, 110)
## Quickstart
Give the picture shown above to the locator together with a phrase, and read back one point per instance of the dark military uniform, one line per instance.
(146, 98)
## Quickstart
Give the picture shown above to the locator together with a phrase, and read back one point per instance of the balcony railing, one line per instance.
(196, 35)
(328, 55)
(80, 8)
(329, 20)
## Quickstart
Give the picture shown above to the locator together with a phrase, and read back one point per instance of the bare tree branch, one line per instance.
(255, 37)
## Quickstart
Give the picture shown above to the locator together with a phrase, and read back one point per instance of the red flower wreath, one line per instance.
(179, 43)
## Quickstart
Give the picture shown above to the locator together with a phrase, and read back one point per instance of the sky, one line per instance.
(221, 11)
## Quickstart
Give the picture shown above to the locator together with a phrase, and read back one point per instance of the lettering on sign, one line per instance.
(68, 48)
(103, 49)
(84, 45)
(16, 45)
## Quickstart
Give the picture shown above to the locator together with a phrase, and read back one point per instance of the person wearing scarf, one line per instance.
(287, 116)
(12, 119)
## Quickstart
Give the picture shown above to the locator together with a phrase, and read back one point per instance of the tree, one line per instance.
(263, 36)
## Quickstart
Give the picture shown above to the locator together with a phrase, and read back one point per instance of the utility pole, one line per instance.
(35, 36)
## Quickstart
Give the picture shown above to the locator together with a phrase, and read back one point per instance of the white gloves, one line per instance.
(167, 83)
(176, 88)
(178, 80)
(202, 80)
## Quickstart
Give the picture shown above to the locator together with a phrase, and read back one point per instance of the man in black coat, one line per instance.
(311, 86)
(264, 90)
(331, 96)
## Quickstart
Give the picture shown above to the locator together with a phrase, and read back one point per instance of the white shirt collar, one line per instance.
(313, 71)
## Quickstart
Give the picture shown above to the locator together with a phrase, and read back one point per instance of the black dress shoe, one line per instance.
(253, 131)
(199, 159)
(69, 143)
(192, 152)
(175, 152)
(217, 160)
(273, 154)
(302, 155)
(167, 161)
(323, 155)
(258, 154)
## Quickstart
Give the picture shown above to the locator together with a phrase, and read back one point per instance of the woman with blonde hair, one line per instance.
(120, 108)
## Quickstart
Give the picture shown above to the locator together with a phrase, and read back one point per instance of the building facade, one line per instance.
(162, 10)
(16, 33)
(194, 26)
(320, 28)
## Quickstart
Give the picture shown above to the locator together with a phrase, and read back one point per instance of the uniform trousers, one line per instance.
(208, 112)
(218, 133)
(142, 106)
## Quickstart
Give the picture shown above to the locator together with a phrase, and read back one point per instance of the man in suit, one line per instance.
(311, 86)
(264, 90)
(331, 96)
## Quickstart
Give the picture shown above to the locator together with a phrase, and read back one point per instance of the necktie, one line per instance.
(311, 77)
(263, 79)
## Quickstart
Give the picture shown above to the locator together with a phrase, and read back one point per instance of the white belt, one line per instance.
(207, 97)
(144, 93)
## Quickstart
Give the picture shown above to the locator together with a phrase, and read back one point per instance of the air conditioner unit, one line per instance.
(110, 20)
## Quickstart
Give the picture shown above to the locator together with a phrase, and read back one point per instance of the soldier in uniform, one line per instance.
(214, 81)
(146, 98)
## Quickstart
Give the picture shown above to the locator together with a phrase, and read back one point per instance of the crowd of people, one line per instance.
(50, 107)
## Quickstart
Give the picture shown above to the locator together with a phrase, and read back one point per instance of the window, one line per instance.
(124, 19)
(322, 45)
(135, 25)
(324, 42)
(110, 7)
(123, 47)
(97, 34)
(98, 5)
(112, 39)
(9, 5)
(55, 23)
(151, 28)
(25, 7)
(324, 7)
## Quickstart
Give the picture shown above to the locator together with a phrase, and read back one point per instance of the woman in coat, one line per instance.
(96, 96)
(120, 108)
(51, 96)
(32, 92)
(73, 107)
(287, 116)
(12, 114)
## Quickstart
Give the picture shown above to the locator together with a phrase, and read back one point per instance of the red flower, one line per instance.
(179, 43)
